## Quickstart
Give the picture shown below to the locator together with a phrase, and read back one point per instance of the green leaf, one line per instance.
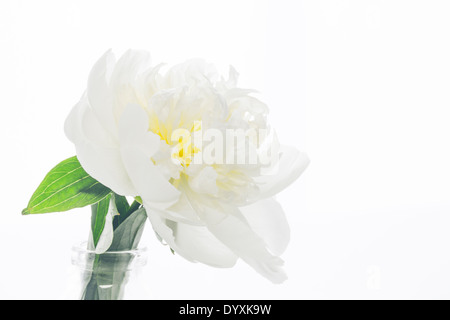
(66, 186)
(98, 218)
(121, 203)
(124, 215)
(122, 208)
(128, 234)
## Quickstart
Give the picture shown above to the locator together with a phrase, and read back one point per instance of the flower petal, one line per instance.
(291, 165)
(202, 246)
(130, 64)
(182, 211)
(190, 72)
(72, 125)
(106, 166)
(237, 235)
(204, 182)
(124, 85)
(137, 147)
(164, 232)
(195, 243)
(267, 219)
(99, 93)
(103, 163)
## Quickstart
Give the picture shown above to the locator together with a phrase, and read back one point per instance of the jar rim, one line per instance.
(84, 258)
(83, 248)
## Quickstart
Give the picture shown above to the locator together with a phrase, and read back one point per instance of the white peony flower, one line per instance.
(207, 206)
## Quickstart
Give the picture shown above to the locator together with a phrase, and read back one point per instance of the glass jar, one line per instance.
(113, 275)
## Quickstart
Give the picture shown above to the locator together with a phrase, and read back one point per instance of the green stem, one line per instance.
(134, 206)
(107, 277)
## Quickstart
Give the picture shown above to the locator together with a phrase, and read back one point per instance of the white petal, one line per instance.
(146, 178)
(106, 166)
(236, 234)
(204, 182)
(190, 72)
(124, 78)
(267, 219)
(94, 132)
(182, 211)
(72, 125)
(137, 147)
(202, 246)
(291, 165)
(195, 243)
(102, 162)
(100, 95)
(130, 64)
(133, 130)
(233, 77)
(163, 231)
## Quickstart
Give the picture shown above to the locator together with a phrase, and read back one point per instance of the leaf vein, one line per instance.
(65, 187)
(61, 178)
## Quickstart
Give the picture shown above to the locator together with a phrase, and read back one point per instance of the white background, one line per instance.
(361, 86)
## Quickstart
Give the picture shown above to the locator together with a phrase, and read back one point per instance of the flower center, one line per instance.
(179, 138)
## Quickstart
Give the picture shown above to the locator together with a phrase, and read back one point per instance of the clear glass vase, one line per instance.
(113, 275)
